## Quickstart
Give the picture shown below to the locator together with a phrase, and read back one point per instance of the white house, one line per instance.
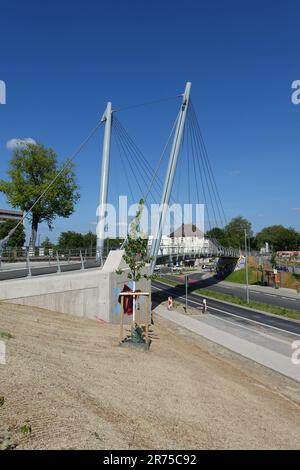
(187, 239)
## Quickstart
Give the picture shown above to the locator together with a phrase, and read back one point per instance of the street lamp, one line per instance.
(246, 268)
(186, 292)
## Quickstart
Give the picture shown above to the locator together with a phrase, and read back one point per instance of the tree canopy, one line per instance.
(47, 243)
(17, 240)
(219, 235)
(279, 237)
(71, 239)
(235, 231)
(31, 170)
(233, 234)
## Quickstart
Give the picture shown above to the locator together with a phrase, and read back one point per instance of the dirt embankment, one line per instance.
(69, 381)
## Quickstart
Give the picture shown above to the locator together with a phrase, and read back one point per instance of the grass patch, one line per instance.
(239, 276)
(26, 428)
(284, 312)
(290, 280)
(167, 281)
(5, 335)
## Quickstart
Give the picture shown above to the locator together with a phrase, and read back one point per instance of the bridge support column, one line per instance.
(164, 203)
(101, 210)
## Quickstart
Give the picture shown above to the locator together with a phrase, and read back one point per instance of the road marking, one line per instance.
(235, 315)
(255, 331)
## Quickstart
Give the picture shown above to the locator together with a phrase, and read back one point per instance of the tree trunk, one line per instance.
(34, 229)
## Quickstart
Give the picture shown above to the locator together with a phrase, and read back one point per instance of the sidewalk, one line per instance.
(282, 291)
(262, 355)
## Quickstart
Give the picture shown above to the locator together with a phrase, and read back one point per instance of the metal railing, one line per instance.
(29, 260)
(175, 251)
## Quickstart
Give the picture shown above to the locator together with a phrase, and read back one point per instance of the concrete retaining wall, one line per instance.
(91, 293)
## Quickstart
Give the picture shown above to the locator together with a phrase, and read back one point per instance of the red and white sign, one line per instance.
(170, 302)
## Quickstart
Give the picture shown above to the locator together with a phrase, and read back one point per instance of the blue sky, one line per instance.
(63, 60)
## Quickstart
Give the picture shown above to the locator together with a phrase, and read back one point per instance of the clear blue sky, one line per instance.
(63, 60)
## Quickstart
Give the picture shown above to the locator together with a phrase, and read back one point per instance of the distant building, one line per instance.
(9, 214)
(187, 238)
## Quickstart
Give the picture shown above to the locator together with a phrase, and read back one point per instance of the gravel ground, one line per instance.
(70, 382)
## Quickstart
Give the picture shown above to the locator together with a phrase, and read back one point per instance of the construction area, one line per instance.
(67, 384)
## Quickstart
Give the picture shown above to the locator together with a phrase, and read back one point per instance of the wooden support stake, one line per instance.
(147, 319)
(121, 318)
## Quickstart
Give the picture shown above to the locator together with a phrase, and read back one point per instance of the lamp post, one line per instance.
(186, 292)
(246, 268)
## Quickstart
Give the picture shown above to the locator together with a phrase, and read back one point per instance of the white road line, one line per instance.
(255, 331)
(235, 315)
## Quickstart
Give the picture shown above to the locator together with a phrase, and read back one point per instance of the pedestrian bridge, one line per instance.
(176, 253)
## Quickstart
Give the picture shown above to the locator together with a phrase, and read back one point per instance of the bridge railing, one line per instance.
(214, 251)
(29, 258)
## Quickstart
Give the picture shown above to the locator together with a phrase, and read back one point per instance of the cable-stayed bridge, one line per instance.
(182, 174)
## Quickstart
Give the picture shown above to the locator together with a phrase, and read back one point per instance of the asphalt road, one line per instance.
(266, 298)
(236, 314)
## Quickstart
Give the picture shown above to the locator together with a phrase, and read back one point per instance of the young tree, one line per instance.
(31, 170)
(136, 257)
(18, 237)
(135, 249)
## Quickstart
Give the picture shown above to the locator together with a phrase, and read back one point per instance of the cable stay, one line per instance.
(194, 170)
(143, 176)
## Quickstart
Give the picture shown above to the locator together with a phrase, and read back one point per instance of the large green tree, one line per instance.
(219, 235)
(235, 231)
(18, 237)
(71, 239)
(279, 238)
(31, 170)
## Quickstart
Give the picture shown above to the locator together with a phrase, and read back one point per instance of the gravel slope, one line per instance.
(77, 388)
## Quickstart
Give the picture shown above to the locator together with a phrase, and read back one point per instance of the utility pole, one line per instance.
(186, 292)
(246, 268)
(101, 211)
(169, 179)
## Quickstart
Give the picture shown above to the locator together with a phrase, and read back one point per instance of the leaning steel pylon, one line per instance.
(101, 210)
(169, 179)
